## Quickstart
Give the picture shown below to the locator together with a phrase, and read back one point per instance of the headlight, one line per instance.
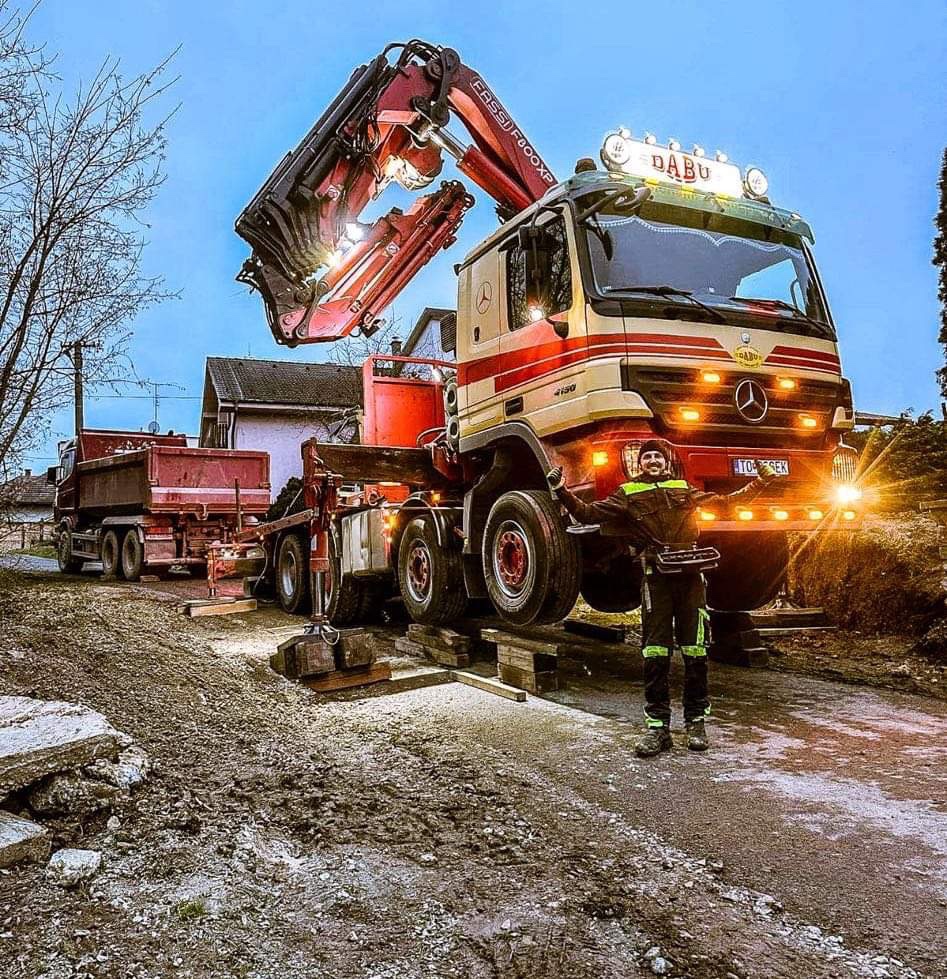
(847, 494)
(755, 182)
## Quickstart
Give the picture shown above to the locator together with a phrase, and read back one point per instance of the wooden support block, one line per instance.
(490, 685)
(510, 639)
(149, 577)
(355, 647)
(535, 683)
(343, 679)
(607, 633)
(432, 635)
(525, 659)
(443, 657)
(219, 607)
(302, 656)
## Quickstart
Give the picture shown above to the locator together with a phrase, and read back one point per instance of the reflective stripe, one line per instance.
(629, 489)
(652, 721)
(703, 619)
(694, 650)
(652, 652)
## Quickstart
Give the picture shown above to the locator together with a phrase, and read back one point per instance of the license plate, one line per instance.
(747, 467)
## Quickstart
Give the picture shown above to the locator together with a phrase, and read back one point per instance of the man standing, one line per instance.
(658, 515)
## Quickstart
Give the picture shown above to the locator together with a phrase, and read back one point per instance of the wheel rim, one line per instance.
(512, 559)
(419, 571)
(288, 572)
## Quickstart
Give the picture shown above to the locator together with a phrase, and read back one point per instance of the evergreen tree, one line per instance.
(940, 260)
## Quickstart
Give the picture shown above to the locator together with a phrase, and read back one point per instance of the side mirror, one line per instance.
(52, 475)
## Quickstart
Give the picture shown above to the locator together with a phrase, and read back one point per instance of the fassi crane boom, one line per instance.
(320, 273)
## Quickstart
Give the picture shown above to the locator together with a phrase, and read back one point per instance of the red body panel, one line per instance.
(399, 408)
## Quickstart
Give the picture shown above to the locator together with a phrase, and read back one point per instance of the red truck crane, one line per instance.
(659, 292)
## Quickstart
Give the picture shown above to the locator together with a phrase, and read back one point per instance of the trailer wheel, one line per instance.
(750, 572)
(617, 589)
(430, 576)
(292, 574)
(67, 563)
(133, 555)
(111, 555)
(532, 567)
(343, 603)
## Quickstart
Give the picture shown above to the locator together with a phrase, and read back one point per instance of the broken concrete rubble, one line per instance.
(70, 867)
(71, 793)
(40, 738)
(20, 840)
(127, 773)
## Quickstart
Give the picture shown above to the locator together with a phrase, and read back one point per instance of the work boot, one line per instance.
(696, 735)
(653, 742)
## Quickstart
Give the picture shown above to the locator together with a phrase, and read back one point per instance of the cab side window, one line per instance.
(558, 290)
(68, 463)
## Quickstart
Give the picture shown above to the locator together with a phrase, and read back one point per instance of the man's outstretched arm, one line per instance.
(607, 511)
(745, 494)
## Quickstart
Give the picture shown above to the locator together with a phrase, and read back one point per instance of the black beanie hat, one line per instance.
(657, 445)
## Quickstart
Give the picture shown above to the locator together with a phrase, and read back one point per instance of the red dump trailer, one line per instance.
(140, 502)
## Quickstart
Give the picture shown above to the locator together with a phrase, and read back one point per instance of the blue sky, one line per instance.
(843, 104)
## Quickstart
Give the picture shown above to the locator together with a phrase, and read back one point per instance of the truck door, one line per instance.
(479, 317)
(67, 489)
(543, 348)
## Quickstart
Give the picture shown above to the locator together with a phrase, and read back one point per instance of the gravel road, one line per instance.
(446, 832)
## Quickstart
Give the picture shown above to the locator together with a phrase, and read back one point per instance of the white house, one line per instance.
(275, 405)
(425, 338)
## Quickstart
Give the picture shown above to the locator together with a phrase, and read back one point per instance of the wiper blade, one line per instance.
(670, 291)
(796, 312)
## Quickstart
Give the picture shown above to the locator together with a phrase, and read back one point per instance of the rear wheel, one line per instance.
(67, 563)
(292, 574)
(531, 565)
(750, 572)
(343, 597)
(430, 575)
(133, 556)
(111, 555)
(617, 588)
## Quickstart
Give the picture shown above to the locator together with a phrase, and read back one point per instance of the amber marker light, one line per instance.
(710, 377)
(745, 515)
(599, 458)
(807, 421)
(816, 514)
(780, 515)
(707, 516)
(848, 514)
(786, 383)
(690, 414)
(435, 498)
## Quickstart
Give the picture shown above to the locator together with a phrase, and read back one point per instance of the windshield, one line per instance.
(729, 268)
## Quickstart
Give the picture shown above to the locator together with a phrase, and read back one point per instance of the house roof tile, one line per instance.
(280, 382)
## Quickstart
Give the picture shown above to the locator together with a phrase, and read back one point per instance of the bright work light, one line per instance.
(755, 182)
(847, 494)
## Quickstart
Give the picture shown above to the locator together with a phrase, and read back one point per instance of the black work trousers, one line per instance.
(678, 613)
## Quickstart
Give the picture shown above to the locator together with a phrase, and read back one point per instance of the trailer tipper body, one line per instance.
(657, 293)
(141, 502)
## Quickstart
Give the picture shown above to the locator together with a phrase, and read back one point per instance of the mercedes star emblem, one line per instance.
(750, 400)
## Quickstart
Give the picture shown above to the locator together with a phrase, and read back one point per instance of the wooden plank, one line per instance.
(356, 647)
(526, 659)
(302, 656)
(220, 607)
(608, 633)
(439, 636)
(443, 657)
(490, 685)
(511, 639)
(535, 683)
(344, 680)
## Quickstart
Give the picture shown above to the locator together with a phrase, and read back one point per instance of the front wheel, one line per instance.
(531, 565)
(430, 576)
(67, 563)
(292, 574)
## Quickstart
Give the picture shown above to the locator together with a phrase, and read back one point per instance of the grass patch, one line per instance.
(190, 909)
(39, 550)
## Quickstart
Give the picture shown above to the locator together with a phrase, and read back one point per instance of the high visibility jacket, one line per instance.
(653, 511)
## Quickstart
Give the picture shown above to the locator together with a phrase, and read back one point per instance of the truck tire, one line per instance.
(292, 574)
(111, 555)
(343, 601)
(67, 563)
(133, 556)
(617, 589)
(531, 566)
(430, 576)
(750, 572)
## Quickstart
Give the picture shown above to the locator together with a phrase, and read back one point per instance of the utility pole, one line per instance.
(77, 375)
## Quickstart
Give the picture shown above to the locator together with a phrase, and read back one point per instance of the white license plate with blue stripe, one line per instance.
(747, 467)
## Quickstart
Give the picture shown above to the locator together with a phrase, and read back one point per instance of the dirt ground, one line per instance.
(447, 832)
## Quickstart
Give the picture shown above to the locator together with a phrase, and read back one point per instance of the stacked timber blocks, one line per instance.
(444, 646)
(528, 664)
(325, 666)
